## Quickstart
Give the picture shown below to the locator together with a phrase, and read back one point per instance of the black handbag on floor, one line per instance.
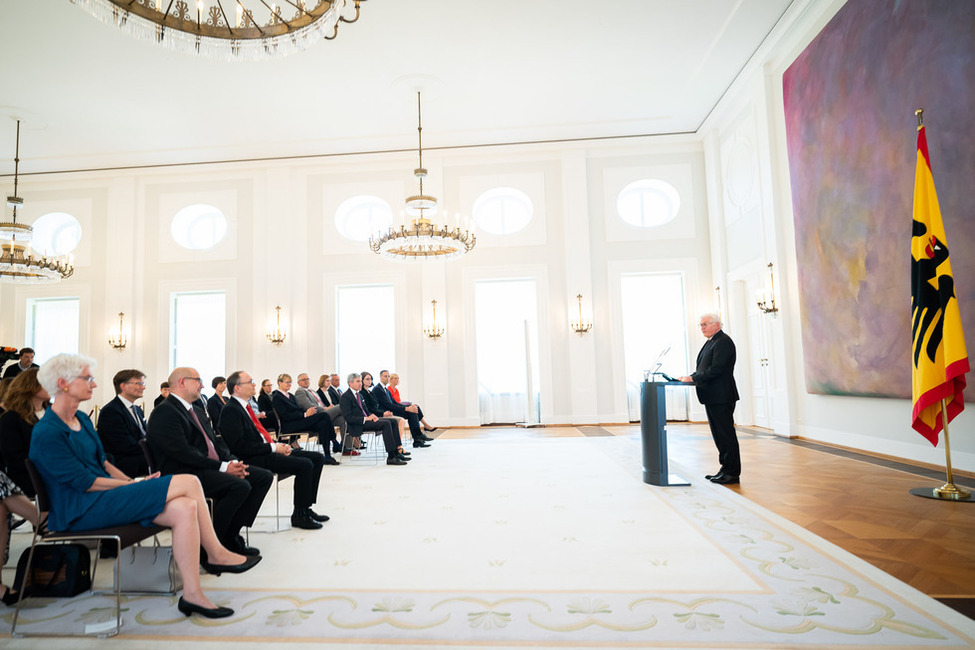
(58, 570)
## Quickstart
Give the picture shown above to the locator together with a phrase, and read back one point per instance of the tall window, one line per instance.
(366, 329)
(198, 333)
(654, 329)
(53, 326)
(502, 308)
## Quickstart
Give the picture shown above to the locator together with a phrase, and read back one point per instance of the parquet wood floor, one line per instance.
(861, 504)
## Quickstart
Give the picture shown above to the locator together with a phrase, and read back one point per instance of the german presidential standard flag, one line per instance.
(940, 358)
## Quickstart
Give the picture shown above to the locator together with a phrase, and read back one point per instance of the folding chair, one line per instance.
(122, 536)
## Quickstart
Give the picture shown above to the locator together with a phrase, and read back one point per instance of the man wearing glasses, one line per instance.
(182, 442)
(122, 424)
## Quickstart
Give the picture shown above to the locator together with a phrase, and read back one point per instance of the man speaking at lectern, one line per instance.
(715, 383)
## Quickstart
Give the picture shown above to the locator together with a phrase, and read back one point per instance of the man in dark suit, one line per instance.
(122, 424)
(295, 419)
(715, 384)
(250, 441)
(409, 413)
(358, 419)
(25, 363)
(334, 390)
(182, 442)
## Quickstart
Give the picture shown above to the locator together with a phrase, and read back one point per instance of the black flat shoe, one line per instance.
(419, 443)
(217, 569)
(317, 517)
(188, 608)
(402, 457)
(304, 522)
(395, 461)
(331, 461)
(9, 597)
(724, 479)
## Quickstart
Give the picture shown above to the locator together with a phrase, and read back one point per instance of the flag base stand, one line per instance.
(947, 492)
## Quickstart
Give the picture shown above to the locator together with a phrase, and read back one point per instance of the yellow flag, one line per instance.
(940, 358)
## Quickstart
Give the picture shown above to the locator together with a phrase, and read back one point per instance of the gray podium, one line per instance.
(653, 431)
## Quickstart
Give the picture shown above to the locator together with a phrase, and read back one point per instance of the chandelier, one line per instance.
(423, 239)
(18, 263)
(234, 30)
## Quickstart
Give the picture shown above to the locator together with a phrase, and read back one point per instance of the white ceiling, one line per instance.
(493, 72)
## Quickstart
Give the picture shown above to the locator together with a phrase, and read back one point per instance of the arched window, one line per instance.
(55, 233)
(647, 203)
(199, 227)
(361, 216)
(503, 211)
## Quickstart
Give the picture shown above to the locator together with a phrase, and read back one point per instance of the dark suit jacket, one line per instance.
(386, 403)
(265, 404)
(15, 434)
(176, 444)
(323, 395)
(287, 407)
(714, 377)
(352, 413)
(159, 398)
(14, 369)
(120, 437)
(239, 433)
(334, 395)
(214, 405)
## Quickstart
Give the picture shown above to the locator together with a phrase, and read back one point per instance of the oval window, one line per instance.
(647, 203)
(503, 210)
(55, 233)
(199, 227)
(361, 216)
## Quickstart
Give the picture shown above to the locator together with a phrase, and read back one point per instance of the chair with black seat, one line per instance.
(120, 536)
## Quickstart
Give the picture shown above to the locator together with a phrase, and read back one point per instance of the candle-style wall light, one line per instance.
(766, 303)
(277, 334)
(580, 326)
(434, 330)
(118, 338)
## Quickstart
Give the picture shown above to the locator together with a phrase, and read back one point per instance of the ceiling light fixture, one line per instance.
(233, 30)
(18, 263)
(424, 239)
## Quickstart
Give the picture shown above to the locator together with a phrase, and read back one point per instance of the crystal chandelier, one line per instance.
(423, 239)
(233, 30)
(18, 263)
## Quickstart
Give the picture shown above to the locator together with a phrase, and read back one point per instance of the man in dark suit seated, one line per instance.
(25, 363)
(122, 424)
(250, 441)
(358, 419)
(182, 442)
(409, 413)
(295, 419)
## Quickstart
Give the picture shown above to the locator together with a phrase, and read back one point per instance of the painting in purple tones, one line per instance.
(849, 100)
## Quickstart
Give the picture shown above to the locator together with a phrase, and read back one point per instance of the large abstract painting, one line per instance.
(850, 99)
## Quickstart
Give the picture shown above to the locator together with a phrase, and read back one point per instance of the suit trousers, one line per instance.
(385, 427)
(305, 466)
(319, 424)
(721, 420)
(236, 501)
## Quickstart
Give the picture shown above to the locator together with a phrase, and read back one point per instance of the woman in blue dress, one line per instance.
(86, 491)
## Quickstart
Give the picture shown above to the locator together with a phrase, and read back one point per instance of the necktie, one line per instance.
(138, 419)
(358, 398)
(317, 398)
(260, 429)
(211, 451)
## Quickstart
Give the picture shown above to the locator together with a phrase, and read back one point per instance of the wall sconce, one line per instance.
(717, 298)
(580, 326)
(435, 330)
(118, 339)
(276, 334)
(765, 303)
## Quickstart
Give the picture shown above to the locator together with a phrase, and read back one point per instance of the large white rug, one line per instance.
(535, 543)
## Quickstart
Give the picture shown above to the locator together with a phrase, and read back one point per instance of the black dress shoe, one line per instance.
(9, 597)
(314, 515)
(305, 522)
(711, 476)
(240, 546)
(403, 452)
(419, 443)
(725, 479)
(402, 457)
(188, 608)
(395, 460)
(425, 438)
(331, 461)
(217, 569)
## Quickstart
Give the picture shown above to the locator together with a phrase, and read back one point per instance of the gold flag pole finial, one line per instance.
(920, 118)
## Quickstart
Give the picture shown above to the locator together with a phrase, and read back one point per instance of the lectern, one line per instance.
(653, 431)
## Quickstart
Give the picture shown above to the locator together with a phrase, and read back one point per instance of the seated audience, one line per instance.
(122, 424)
(163, 394)
(12, 502)
(182, 442)
(26, 362)
(360, 418)
(86, 491)
(307, 398)
(266, 407)
(294, 419)
(26, 402)
(393, 388)
(217, 401)
(249, 440)
(408, 413)
(334, 390)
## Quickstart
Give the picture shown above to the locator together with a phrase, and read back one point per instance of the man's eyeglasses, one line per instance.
(137, 383)
(194, 379)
